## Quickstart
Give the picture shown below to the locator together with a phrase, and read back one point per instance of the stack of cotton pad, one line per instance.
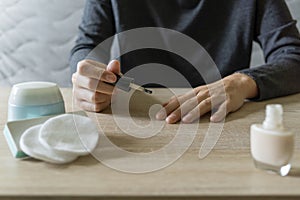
(60, 139)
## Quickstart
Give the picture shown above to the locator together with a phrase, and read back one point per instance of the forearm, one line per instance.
(97, 25)
(278, 79)
(277, 34)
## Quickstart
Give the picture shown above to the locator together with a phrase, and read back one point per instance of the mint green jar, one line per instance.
(34, 99)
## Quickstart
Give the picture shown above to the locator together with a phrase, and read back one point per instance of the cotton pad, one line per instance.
(30, 144)
(69, 133)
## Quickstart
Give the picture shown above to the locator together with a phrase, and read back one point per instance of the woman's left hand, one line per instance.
(227, 95)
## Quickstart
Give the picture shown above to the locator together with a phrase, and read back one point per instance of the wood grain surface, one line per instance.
(226, 173)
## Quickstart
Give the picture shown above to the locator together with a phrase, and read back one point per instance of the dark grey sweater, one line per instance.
(225, 28)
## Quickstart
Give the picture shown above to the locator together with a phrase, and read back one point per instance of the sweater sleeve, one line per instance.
(97, 25)
(277, 34)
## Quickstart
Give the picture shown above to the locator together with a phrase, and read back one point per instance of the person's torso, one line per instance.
(224, 28)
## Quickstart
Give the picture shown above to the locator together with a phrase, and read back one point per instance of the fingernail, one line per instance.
(111, 78)
(161, 115)
(213, 118)
(216, 119)
(171, 118)
(188, 118)
(111, 62)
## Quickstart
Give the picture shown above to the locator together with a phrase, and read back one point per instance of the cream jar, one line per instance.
(271, 144)
(34, 99)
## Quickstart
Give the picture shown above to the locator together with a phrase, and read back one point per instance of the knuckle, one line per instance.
(81, 66)
(82, 105)
(197, 89)
(101, 74)
(94, 97)
(206, 102)
(98, 98)
(91, 84)
(228, 87)
(203, 93)
(169, 108)
(92, 107)
(173, 98)
(206, 93)
(89, 107)
(191, 102)
(83, 62)
(97, 107)
(74, 77)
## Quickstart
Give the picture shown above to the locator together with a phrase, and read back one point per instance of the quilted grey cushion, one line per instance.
(36, 37)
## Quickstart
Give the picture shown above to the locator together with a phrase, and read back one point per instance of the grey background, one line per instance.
(36, 37)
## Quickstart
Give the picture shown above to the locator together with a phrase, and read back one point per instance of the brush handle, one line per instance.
(123, 82)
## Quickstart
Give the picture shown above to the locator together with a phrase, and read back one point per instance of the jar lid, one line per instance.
(35, 93)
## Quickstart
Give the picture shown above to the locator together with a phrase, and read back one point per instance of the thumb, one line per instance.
(114, 66)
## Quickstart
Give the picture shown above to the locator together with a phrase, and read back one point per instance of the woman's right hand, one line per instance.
(90, 91)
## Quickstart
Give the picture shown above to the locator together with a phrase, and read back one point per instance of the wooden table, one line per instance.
(227, 172)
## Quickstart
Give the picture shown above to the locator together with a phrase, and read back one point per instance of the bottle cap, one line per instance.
(273, 118)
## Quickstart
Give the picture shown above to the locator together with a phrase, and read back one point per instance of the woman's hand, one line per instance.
(89, 88)
(228, 95)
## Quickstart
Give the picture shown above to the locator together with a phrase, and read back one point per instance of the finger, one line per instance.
(186, 107)
(202, 108)
(96, 71)
(190, 102)
(173, 104)
(168, 107)
(162, 114)
(172, 98)
(91, 96)
(114, 66)
(94, 85)
(203, 94)
(96, 63)
(220, 114)
(93, 107)
(164, 104)
(74, 77)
